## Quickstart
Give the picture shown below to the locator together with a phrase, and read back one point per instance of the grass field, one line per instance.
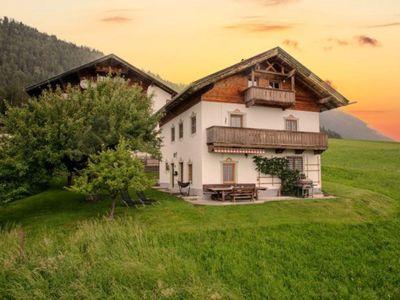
(344, 248)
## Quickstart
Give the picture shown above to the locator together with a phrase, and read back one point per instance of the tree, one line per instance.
(61, 129)
(112, 171)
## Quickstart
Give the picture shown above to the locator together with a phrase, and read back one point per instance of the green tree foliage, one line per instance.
(60, 130)
(112, 171)
(28, 56)
(279, 166)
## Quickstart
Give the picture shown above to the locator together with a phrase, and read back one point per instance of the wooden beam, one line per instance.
(291, 73)
(271, 73)
(324, 100)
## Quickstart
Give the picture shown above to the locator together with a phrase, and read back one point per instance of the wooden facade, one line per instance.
(230, 137)
(109, 65)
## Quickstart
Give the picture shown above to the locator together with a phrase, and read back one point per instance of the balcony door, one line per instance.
(236, 120)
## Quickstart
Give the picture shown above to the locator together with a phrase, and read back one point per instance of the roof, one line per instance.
(112, 57)
(333, 98)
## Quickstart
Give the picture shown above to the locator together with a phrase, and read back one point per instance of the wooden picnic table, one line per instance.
(223, 191)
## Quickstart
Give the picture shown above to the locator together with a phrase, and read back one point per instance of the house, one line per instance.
(99, 68)
(109, 64)
(267, 105)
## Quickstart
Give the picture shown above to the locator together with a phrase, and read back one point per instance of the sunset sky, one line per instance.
(355, 44)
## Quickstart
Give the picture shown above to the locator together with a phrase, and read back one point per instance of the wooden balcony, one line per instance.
(250, 138)
(270, 97)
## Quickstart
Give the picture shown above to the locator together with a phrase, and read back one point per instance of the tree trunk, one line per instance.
(70, 179)
(113, 201)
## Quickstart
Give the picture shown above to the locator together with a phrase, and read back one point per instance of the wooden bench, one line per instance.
(243, 193)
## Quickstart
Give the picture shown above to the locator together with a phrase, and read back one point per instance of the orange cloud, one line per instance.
(359, 40)
(121, 10)
(291, 43)
(384, 25)
(116, 19)
(364, 40)
(258, 27)
(274, 2)
(339, 42)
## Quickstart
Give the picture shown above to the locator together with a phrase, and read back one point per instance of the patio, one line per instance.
(196, 200)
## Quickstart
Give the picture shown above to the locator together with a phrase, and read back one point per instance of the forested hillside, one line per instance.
(28, 56)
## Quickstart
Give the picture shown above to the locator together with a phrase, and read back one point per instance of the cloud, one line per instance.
(291, 43)
(339, 42)
(359, 40)
(117, 10)
(384, 25)
(364, 40)
(274, 2)
(258, 27)
(116, 19)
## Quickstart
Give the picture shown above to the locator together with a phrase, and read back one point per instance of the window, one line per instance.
(173, 134)
(228, 172)
(190, 172)
(236, 120)
(274, 84)
(193, 124)
(295, 163)
(181, 171)
(250, 83)
(181, 130)
(291, 124)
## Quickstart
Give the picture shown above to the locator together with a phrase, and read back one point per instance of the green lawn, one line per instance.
(340, 248)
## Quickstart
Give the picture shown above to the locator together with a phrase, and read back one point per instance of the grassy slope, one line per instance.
(305, 249)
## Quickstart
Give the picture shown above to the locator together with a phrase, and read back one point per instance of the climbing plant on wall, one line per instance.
(279, 166)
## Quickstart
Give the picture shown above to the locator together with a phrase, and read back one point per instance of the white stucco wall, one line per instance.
(159, 96)
(183, 150)
(207, 167)
(217, 114)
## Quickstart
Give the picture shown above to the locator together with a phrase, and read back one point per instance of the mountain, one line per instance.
(349, 127)
(28, 56)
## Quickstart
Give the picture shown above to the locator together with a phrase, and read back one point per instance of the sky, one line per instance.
(353, 44)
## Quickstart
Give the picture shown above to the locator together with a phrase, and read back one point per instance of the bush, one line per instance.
(279, 166)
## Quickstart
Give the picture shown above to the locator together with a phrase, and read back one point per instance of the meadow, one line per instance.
(342, 248)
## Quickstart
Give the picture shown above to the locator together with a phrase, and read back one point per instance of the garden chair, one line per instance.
(143, 198)
(128, 201)
(183, 185)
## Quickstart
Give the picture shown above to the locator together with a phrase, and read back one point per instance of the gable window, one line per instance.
(181, 130)
(291, 124)
(295, 163)
(190, 172)
(193, 124)
(250, 83)
(228, 172)
(173, 134)
(236, 120)
(274, 84)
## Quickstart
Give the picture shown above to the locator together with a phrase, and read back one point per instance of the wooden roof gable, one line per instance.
(110, 59)
(329, 97)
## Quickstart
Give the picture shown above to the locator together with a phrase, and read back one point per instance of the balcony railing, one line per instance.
(266, 96)
(250, 138)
